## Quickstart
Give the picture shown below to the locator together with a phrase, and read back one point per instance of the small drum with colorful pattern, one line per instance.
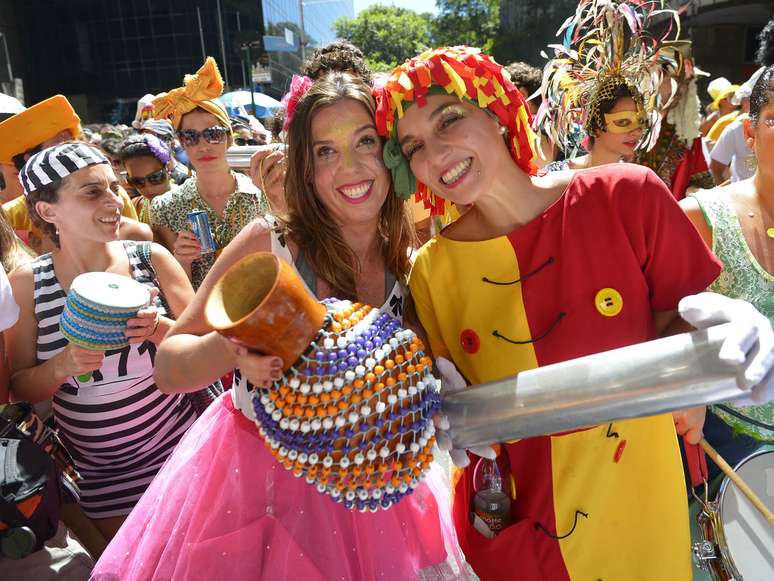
(98, 306)
(738, 541)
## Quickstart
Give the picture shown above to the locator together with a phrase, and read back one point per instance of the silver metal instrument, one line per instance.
(647, 379)
(239, 156)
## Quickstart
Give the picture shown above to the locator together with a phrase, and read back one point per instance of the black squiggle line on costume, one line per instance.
(550, 260)
(540, 527)
(553, 326)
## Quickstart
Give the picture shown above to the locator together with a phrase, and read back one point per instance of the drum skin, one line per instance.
(742, 538)
(98, 307)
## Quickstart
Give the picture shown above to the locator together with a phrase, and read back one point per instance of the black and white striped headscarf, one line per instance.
(58, 162)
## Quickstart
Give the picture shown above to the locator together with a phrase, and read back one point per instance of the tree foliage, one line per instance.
(387, 35)
(471, 22)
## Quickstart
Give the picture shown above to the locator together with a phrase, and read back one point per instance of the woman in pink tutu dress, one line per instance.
(222, 507)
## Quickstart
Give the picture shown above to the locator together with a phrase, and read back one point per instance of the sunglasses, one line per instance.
(240, 141)
(154, 179)
(212, 135)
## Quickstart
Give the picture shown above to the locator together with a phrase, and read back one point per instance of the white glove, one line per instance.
(750, 342)
(451, 381)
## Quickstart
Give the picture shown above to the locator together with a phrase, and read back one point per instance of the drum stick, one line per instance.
(737, 480)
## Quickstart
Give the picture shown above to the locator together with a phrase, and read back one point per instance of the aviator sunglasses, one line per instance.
(154, 179)
(212, 135)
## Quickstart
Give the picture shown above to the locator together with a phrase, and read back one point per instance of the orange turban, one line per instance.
(198, 90)
(31, 127)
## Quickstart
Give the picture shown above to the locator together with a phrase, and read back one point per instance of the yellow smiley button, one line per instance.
(608, 302)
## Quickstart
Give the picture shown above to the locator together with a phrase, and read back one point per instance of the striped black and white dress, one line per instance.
(118, 426)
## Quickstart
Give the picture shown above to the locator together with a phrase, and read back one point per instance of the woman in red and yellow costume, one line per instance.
(538, 271)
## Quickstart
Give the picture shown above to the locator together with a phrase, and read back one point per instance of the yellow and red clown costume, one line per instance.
(469, 74)
(585, 276)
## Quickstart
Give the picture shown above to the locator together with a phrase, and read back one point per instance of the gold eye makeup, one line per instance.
(453, 109)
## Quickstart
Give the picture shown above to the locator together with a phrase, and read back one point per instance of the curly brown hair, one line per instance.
(308, 222)
(525, 75)
(338, 56)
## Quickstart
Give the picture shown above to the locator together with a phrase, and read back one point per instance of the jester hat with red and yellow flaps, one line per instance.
(198, 90)
(467, 73)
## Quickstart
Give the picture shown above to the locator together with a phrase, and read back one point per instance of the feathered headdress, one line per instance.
(607, 44)
(467, 73)
(683, 108)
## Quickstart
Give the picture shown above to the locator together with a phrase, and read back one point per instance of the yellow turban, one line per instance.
(198, 90)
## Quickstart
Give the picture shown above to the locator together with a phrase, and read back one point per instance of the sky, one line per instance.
(415, 5)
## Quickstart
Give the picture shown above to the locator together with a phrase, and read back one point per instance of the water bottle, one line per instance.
(491, 504)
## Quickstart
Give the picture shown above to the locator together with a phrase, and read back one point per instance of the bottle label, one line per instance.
(495, 521)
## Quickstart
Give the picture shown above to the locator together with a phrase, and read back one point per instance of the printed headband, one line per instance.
(58, 162)
(159, 128)
(467, 73)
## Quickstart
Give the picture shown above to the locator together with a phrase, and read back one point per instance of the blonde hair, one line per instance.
(308, 222)
(13, 252)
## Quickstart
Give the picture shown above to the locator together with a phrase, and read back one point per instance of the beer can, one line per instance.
(200, 224)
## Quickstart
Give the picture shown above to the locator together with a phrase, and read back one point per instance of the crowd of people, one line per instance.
(511, 217)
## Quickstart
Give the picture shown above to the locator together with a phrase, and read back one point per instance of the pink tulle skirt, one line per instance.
(223, 508)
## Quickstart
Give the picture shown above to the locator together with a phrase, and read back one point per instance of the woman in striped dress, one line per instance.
(117, 425)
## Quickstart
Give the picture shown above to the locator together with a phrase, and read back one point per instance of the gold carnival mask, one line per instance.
(623, 121)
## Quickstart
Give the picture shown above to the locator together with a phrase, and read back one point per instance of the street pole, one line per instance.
(241, 52)
(222, 45)
(302, 40)
(8, 63)
(250, 75)
(201, 33)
